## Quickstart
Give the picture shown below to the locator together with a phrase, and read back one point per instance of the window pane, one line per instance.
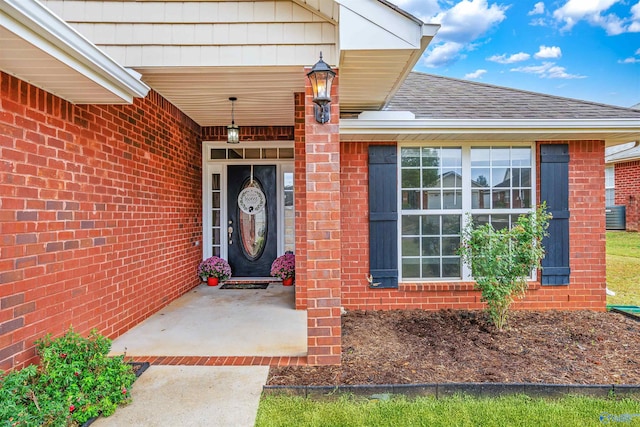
(451, 178)
(501, 177)
(450, 245)
(286, 153)
(521, 199)
(410, 157)
(452, 157)
(430, 157)
(521, 156)
(500, 221)
(480, 199)
(480, 220)
(410, 199)
(500, 156)
(480, 157)
(452, 199)
(215, 203)
(217, 153)
(269, 153)
(430, 178)
(431, 225)
(450, 224)
(410, 246)
(430, 268)
(215, 218)
(451, 267)
(431, 246)
(480, 177)
(215, 181)
(411, 267)
(501, 199)
(432, 199)
(410, 178)
(252, 153)
(410, 225)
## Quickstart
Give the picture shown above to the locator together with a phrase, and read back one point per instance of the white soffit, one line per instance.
(379, 46)
(612, 131)
(40, 48)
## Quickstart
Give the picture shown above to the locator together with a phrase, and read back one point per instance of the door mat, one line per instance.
(244, 286)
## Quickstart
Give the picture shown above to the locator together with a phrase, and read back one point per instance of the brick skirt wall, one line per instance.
(587, 240)
(627, 179)
(100, 214)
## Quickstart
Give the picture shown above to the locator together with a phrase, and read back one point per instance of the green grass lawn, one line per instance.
(453, 411)
(623, 267)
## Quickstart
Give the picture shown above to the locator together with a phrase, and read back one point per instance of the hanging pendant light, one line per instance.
(233, 131)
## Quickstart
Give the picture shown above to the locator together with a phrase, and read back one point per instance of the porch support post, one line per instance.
(323, 260)
(300, 200)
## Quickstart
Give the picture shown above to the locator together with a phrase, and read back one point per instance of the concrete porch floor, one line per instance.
(209, 321)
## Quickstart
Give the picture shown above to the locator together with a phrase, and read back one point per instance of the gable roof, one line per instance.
(437, 97)
(626, 155)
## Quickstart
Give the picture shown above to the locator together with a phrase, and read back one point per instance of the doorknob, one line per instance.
(230, 231)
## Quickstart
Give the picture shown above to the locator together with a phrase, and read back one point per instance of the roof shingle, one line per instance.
(435, 97)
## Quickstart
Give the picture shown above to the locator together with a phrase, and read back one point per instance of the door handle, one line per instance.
(230, 232)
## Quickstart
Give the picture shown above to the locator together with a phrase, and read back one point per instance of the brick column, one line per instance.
(323, 281)
(300, 200)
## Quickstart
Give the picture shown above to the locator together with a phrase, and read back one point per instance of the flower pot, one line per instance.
(288, 281)
(212, 281)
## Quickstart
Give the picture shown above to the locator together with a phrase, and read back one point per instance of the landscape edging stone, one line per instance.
(440, 390)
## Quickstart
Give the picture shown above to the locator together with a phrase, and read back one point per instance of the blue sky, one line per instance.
(583, 49)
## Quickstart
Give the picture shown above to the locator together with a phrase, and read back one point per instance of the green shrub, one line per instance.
(75, 381)
(502, 260)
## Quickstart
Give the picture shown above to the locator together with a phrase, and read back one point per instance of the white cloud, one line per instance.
(468, 20)
(548, 52)
(465, 22)
(443, 54)
(548, 70)
(593, 12)
(504, 59)
(475, 75)
(630, 60)
(538, 9)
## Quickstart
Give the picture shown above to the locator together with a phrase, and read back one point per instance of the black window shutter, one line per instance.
(554, 189)
(383, 216)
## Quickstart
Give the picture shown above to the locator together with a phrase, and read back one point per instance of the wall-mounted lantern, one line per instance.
(321, 78)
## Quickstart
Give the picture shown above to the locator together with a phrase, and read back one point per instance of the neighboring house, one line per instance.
(622, 182)
(116, 177)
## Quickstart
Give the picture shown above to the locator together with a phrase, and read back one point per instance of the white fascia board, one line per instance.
(481, 126)
(36, 24)
(372, 25)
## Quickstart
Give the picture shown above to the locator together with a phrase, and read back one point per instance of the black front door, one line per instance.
(252, 224)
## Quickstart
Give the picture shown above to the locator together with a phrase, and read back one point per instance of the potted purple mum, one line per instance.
(214, 269)
(284, 267)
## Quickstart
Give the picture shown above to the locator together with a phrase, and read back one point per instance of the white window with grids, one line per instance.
(439, 185)
(610, 185)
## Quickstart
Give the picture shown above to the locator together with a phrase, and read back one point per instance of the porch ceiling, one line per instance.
(265, 94)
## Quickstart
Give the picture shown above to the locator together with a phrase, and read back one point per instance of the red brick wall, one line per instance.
(627, 178)
(100, 214)
(587, 288)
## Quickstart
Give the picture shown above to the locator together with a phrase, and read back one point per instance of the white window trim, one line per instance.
(466, 196)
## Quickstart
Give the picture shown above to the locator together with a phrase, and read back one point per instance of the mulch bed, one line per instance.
(415, 346)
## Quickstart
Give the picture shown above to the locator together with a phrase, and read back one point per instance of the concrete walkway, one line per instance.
(190, 396)
(209, 321)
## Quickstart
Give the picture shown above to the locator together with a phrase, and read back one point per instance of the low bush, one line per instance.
(75, 381)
